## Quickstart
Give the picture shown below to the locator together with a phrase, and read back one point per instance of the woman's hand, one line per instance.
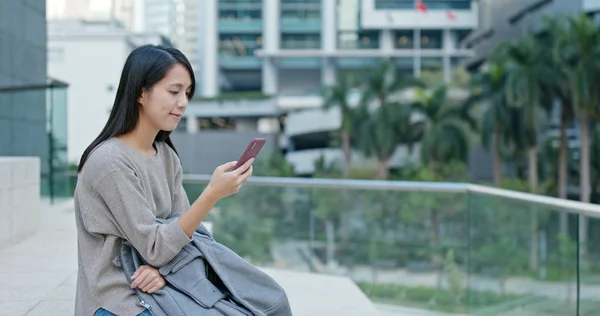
(224, 183)
(147, 279)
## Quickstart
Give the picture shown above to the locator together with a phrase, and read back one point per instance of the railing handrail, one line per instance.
(576, 207)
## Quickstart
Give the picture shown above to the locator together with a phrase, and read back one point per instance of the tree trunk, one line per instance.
(347, 153)
(533, 186)
(562, 172)
(496, 157)
(382, 169)
(584, 186)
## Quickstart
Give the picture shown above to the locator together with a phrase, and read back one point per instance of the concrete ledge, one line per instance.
(19, 198)
(313, 294)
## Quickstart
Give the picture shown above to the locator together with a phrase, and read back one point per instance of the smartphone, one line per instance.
(251, 151)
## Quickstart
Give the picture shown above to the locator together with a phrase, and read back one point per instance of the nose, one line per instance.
(182, 103)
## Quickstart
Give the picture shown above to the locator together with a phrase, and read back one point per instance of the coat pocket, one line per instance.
(187, 273)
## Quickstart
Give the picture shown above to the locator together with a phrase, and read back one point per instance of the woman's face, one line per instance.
(164, 104)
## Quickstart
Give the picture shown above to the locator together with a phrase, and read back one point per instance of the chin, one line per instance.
(169, 128)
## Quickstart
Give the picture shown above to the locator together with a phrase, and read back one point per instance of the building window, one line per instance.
(240, 14)
(431, 4)
(358, 40)
(300, 10)
(240, 45)
(300, 41)
(431, 39)
(404, 39)
(217, 123)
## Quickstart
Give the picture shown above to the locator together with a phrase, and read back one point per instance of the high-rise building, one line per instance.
(313, 39)
(501, 21)
(284, 51)
(32, 106)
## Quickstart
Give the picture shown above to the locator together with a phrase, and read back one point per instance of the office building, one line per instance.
(286, 50)
(32, 106)
(501, 21)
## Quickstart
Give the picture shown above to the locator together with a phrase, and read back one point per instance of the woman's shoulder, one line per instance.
(106, 158)
(172, 159)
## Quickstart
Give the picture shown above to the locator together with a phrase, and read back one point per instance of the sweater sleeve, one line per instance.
(131, 211)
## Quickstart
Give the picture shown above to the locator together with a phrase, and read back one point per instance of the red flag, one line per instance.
(419, 5)
(451, 15)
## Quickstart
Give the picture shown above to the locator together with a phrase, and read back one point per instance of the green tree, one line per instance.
(443, 125)
(336, 96)
(578, 51)
(557, 88)
(488, 90)
(386, 122)
(526, 75)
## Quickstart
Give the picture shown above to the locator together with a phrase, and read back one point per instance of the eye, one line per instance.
(188, 94)
(174, 92)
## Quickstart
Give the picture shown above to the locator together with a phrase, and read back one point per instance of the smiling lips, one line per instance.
(176, 116)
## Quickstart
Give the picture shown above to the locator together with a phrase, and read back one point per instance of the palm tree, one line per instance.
(337, 96)
(578, 50)
(444, 135)
(385, 122)
(526, 74)
(558, 89)
(489, 87)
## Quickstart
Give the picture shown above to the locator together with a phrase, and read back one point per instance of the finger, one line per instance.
(137, 272)
(156, 288)
(243, 168)
(227, 166)
(147, 281)
(244, 177)
(147, 287)
(140, 279)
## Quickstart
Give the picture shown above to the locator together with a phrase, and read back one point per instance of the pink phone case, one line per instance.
(251, 151)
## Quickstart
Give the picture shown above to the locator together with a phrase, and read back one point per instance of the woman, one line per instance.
(130, 175)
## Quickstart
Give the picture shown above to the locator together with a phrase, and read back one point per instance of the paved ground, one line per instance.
(38, 275)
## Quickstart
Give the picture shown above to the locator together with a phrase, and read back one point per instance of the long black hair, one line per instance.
(144, 67)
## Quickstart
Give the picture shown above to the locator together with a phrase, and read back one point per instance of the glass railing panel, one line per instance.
(590, 265)
(400, 248)
(520, 263)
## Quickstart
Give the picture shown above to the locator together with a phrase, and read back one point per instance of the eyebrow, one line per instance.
(179, 85)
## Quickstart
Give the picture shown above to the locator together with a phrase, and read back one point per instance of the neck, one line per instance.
(141, 138)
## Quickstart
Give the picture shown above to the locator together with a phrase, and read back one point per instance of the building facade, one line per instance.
(26, 95)
(277, 54)
(269, 40)
(501, 21)
(90, 55)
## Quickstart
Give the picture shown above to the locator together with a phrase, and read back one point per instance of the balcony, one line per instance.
(240, 26)
(294, 25)
(227, 61)
(412, 248)
(240, 105)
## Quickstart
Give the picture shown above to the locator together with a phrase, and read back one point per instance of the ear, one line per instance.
(142, 98)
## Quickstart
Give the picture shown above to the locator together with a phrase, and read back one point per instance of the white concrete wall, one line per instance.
(92, 65)
(19, 198)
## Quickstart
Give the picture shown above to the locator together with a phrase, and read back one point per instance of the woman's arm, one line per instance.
(134, 218)
(222, 183)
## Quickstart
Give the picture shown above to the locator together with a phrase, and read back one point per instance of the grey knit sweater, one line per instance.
(119, 194)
